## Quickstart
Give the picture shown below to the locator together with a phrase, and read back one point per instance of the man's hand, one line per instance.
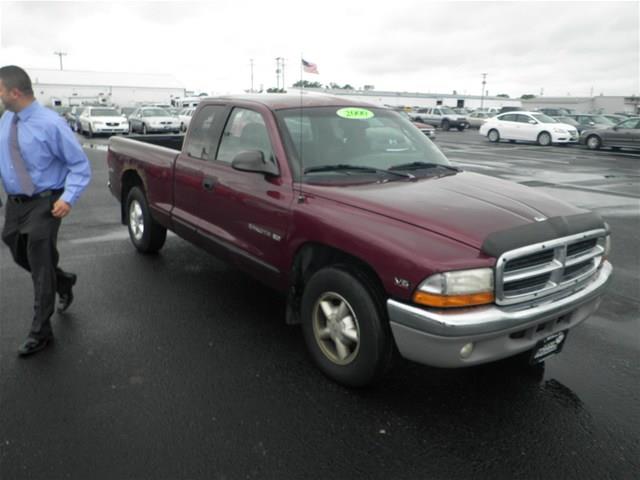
(60, 209)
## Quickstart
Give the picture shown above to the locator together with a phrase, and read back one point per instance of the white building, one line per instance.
(72, 87)
(598, 104)
(419, 100)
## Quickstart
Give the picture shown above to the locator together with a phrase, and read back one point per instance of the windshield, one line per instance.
(155, 112)
(104, 112)
(542, 118)
(447, 111)
(601, 119)
(364, 137)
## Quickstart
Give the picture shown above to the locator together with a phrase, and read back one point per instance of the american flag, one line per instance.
(309, 67)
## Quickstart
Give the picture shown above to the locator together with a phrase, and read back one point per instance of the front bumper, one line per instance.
(163, 128)
(108, 129)
(435, 337)
(565, 138)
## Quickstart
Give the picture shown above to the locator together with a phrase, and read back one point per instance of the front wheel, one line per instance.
(594, 142)
(544, 139)
(493, 136)
(344, 327)
(145, 233)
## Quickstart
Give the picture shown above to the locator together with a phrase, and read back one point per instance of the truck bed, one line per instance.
(174, 142)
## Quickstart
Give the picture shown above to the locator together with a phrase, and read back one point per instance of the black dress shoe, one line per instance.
(66, 296)
(32, 345)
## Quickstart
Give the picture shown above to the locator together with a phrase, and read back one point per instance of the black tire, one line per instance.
(593, 142)
(370, 356)
(144, 128)
(144, 232)
(446, 125)
(493, 135)
(461, 128)
(89, 132)
(544, 139)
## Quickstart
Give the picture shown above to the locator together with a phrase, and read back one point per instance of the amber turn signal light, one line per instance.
(447, 301)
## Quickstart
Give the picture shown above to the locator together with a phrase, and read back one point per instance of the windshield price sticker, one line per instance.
(355, 113)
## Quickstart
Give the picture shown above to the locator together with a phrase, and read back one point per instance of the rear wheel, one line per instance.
(493, 136)
(345, 328)
(544, 139)
(145, 233)
(594, 142)
(461, 128)
(446, 125)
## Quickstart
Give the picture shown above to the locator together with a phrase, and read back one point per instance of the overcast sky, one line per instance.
(398, 45)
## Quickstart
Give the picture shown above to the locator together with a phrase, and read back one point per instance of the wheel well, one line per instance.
(312, 257)
(544, 131)
(130, 179)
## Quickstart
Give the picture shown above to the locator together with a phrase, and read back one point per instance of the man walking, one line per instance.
(43, 170)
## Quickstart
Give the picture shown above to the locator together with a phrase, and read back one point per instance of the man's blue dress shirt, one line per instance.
(51, 152)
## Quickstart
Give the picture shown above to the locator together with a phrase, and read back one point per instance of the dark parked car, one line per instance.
(590, 121)
(623, 135)
(556, 112)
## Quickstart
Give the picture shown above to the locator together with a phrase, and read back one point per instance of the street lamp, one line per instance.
(484, 82)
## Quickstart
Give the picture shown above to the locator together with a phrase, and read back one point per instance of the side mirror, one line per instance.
(253, 161)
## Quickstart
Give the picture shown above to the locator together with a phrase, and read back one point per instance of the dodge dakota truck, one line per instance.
(379, 245)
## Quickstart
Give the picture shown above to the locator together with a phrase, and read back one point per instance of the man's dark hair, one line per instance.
(15, 77)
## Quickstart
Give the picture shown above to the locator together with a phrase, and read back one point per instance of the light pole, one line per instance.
(278, 72)
(60, 54)
(251, 61)
(484, 82)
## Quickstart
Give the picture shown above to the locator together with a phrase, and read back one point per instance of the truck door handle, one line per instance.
(208, 184)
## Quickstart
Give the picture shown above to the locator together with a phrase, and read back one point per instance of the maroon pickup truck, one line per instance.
(380, 245)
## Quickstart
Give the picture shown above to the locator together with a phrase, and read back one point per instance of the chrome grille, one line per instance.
(534, 272)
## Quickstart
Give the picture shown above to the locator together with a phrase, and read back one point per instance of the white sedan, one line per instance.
(530, 127)
(97, 120)
(185, 117)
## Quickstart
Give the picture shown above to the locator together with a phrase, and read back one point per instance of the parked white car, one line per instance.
(530, 127)
(152, 119)
(98, 120)
(185, 118)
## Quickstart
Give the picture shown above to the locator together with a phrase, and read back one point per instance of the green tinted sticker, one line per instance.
(355, 113)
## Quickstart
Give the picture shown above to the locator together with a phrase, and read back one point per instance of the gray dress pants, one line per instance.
(31, 233)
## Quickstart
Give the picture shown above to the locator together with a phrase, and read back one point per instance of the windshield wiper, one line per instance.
(423, 165)
(346, 167)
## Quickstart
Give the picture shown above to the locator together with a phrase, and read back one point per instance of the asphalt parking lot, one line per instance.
(162, 368)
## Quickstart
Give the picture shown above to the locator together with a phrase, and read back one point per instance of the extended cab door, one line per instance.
(193, 180)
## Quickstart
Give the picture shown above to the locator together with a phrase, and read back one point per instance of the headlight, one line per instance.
(462, 288)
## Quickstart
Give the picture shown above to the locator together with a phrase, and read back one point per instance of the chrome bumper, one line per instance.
(436, 337)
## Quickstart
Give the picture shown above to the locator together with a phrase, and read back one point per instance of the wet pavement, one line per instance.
(162, 369)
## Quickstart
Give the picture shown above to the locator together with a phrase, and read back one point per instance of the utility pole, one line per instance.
(484, 82)
(251, 61)
(278, 72)
(60, 54)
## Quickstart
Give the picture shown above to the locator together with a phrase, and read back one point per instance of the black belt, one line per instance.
(35, 196)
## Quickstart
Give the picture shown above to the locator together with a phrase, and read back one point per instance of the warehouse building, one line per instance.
(72, 87)
(419, 100)
(598, 104)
